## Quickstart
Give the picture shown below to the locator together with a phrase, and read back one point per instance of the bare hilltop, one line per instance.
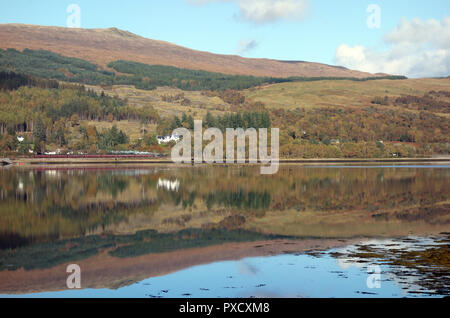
(101, 46)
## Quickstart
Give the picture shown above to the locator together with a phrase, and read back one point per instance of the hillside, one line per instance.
(125, 101)
(344, 94)
(102, 46)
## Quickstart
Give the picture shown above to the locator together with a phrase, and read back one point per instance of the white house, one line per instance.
(335, 141)
(168, 138)
(20, 138)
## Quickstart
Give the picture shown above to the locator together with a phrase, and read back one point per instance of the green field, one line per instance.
(340, 93)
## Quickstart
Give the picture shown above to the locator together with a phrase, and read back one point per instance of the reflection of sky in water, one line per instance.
(275, 276)
(410, 278)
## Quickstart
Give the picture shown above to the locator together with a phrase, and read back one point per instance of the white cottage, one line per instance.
(168, 138)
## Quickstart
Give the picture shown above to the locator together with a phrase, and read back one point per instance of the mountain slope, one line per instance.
(102, 46)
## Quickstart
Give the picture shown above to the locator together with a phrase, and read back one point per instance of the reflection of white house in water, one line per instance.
(168, 185)
(168, 138)
(52, 173)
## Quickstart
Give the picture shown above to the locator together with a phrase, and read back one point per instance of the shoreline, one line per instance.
(118, 160)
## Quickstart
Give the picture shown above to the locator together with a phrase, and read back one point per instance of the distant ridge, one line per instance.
(101, 46)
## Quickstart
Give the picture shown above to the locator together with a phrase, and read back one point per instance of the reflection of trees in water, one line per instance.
(12, 240)
(184, 198)
(240, 199)
(112, 184)
(49, 254)
(64, 203)
(367, 189)
(26, 227)
(317, 189)
(39, 187)
(41, 206)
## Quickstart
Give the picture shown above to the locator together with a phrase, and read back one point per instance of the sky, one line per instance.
(407, 37)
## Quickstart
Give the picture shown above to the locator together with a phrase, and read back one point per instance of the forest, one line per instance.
(49, 65)
(43, 98)
(152, 76)
(49, 109)
(246, 119)
(369, 132)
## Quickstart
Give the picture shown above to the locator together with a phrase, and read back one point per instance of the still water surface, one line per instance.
(225, 231)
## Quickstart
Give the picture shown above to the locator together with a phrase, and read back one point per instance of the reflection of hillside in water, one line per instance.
(128, 218)
(53, 204)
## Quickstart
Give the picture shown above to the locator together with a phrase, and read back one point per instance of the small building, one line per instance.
(168, 138)
(20, 138)
(56, 152)
(335, 141)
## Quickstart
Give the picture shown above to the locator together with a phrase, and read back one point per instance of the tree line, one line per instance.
(365, 132)
(247, 119)
(24, 98)
(49, 65)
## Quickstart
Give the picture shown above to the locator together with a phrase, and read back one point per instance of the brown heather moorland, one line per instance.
(101, 46)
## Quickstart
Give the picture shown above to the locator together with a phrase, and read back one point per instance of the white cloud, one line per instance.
(245, 46)
(416, 31)
(266, 11)
(417, 49)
